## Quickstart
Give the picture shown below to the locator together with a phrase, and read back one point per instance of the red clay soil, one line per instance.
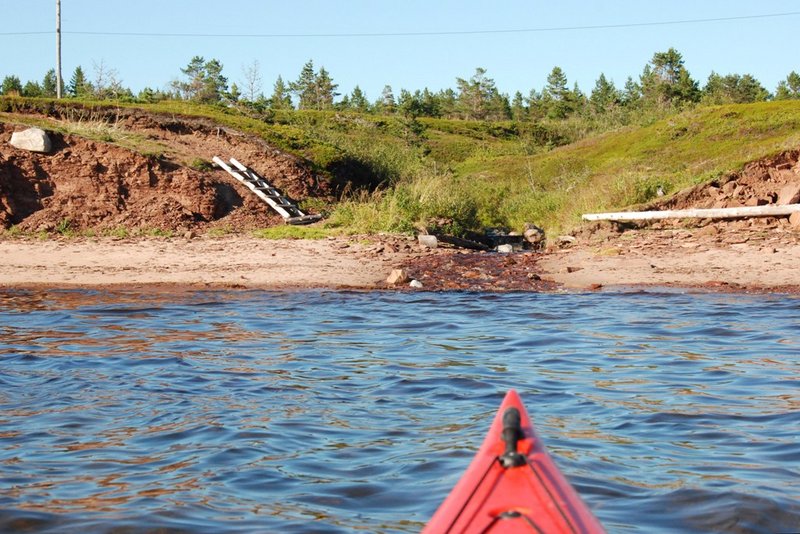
(758, 184)
(95, 185)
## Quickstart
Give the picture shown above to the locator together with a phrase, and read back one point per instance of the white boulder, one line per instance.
(33, 139)
(428, 241)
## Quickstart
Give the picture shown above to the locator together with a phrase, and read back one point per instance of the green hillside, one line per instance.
(395, 172)
(622, 168)
(501, 177)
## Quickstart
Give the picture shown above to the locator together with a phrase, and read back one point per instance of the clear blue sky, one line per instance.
(768, 47)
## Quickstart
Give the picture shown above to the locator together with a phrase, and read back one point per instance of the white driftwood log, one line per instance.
(710, 213)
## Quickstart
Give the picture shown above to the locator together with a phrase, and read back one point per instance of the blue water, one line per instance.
(357, 412)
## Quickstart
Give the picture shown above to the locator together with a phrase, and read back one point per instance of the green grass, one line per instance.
(119, 232)
(64, 227)
(155, 232)
(202, 165)
(91, 126)
(295, 232)
(506, 182)
(220, 231)
(624, 168)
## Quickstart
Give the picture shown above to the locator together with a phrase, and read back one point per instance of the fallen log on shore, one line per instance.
(705, 213)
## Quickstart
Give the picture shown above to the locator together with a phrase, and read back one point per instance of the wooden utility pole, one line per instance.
(58, 48)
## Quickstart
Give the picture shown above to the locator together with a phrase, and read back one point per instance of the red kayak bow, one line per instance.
(512, 485)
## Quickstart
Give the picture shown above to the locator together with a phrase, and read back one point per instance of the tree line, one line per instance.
(664, 85)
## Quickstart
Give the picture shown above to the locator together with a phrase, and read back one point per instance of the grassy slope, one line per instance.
(623, 168)
(494, 174)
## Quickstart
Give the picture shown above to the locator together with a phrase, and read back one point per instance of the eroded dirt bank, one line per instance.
(94, 185)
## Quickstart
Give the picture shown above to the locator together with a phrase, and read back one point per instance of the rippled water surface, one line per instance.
(342, 412)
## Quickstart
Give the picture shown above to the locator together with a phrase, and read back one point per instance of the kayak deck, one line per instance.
(512, 485)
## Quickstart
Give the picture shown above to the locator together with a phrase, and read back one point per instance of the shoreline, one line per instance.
(754, 262)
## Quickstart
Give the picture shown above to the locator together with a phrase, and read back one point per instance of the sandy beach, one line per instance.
(227, 262)
(734, 255)
(758, 259)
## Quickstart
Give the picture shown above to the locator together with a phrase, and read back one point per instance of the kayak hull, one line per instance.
(530, 496)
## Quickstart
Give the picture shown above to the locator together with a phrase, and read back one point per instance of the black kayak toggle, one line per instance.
(512, 433)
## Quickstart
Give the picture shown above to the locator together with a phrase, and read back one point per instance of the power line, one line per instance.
(419, 34)
(28, 33)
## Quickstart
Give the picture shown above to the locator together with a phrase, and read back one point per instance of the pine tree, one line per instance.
(789, 89)
(49, 84)
(556, 98)
(79, 86)
(714, 90)
(666, 83)
(343, 104)
(215, 85)
(578, 100)
(11, 86)
(32, 89)
(234, 95)
(537, 108)
(205, 82)
(386, 104)
(479, 98)
(631, 93)
(431, 104)
(734, 89)
(649, 84)
(147, 95)
(519, 111)
(667, 66)
(556, 86)
(750, 90)
(605, 96)
(408, 104)
(473, 93)
(325, 90)
(194, 71)
(687, 90)
(358, 100)
(305, 87)
(448, 103)
(280, 99)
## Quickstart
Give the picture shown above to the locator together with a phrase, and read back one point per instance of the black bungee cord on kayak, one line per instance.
(512, 433)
